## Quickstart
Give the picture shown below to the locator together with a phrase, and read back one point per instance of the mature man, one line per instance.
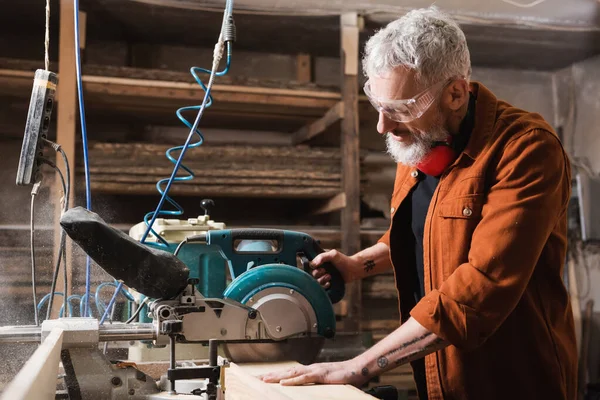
(478, 234)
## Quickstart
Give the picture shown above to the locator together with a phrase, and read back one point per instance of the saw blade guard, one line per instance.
(265, 277)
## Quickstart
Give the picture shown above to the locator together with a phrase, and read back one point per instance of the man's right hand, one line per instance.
(347, 266)
(370, 261)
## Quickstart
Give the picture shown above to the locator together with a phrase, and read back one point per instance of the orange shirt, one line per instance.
(493, 252)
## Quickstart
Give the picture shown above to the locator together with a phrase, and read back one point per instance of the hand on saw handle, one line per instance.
(347, 267)
(368, 262)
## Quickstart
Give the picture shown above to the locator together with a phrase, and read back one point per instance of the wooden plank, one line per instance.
(121, 85)
(65, 128)
(217, 173)
(303, 68)
(241, 383)
(137, 149)
(216, 190)
(200, 180)
(335, 203)
(349, 41)
(144, 70)
(350, 222)
(309, 131)
(38, 377)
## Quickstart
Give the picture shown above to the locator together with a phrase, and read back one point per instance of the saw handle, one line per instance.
(337, 288)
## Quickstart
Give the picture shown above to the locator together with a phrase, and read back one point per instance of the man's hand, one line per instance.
(346, 265)
(345, 372)
(371, 261)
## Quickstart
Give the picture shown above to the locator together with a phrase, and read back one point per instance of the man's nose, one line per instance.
(384, 124)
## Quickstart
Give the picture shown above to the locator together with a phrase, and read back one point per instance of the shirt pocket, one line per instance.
(457, 219)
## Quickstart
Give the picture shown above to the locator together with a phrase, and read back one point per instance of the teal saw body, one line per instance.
(258, 268)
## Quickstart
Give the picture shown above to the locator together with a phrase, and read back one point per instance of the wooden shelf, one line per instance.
(155, 95)
(135, 91)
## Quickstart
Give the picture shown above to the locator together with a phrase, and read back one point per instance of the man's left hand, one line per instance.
(345, 372)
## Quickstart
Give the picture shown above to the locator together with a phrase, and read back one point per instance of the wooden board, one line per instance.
(65, 135)
(333, 115)
(257, 171)
(37, 379)
(350, 146)
(241, 383)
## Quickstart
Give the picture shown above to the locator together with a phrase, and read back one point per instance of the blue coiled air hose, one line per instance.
(150, 217)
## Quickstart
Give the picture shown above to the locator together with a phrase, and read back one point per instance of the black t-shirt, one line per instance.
(414, 209)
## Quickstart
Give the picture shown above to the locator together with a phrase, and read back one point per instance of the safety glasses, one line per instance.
(410, 109)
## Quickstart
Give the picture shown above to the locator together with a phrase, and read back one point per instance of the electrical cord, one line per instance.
(67, 193)
(194, 238)
(34, 192)
(61, 253)
(227, 35)
(137, 312)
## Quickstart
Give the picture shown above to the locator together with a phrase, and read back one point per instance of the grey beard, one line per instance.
(412, 154)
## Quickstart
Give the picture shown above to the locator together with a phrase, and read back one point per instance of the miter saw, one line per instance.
(270, 308)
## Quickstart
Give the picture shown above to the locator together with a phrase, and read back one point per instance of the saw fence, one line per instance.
(235, 171)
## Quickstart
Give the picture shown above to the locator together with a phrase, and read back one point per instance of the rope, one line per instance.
(47, 38)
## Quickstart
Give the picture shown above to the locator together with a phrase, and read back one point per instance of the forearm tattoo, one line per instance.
(369, 265)
(364, 371)
(423, 351)
(383, 361)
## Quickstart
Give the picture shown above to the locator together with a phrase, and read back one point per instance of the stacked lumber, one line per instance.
(226, 171)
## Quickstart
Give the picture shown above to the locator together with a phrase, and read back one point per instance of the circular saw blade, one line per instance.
(303, 350)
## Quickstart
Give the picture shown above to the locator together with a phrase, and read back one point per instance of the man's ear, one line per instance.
(456, 94)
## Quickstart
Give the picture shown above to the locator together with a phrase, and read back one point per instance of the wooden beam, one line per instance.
(335, 203)
(350, 222)
(65, 129)
(313, 129)
(303, 68)
(37, 379)
(241, 383)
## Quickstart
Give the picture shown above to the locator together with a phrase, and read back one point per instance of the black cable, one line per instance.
(61, 248)
(194, 238)
(67, 193)
(181, 244)
(136, 313)
(34, 192)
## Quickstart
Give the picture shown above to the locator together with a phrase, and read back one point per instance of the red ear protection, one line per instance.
(438, 159)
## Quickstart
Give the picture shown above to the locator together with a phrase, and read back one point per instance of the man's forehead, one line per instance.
(398, 84)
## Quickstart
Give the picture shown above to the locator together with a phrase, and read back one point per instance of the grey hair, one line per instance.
(427, 41)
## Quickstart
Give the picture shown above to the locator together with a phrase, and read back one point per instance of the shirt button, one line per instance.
(467, 212)
(392, 210)
(414, 173)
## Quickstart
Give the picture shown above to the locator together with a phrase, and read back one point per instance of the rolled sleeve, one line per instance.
(527, 199)
(385, 238)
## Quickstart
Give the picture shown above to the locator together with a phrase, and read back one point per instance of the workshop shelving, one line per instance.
(312, 116)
